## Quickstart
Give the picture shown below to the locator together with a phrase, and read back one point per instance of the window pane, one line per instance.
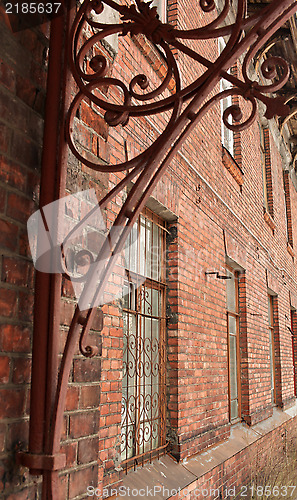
(131, 250)
(156, 297)
(231, 291)
(161, 9)
(148, 248)
(233, 320)
(234, 409)
(144, 398)
(227, 134)
(232, 325)
(141, 252)
(270, 310)
(233, 367)
(129, 386)
(145, 296)
(156, 253)
(271, 359)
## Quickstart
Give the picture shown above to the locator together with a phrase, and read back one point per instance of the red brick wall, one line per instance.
(257, 466)
(23, 66)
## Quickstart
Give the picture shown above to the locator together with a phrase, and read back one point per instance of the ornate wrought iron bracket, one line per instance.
(183, 109)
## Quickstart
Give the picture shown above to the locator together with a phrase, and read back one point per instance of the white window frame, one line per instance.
(227, 135)
(161, 9)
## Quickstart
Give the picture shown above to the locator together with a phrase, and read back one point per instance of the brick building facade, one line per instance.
(221, 342)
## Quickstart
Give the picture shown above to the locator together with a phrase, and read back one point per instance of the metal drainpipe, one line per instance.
(48, 286)
(51, 479)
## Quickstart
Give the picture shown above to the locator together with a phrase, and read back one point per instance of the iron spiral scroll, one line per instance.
(184, 108)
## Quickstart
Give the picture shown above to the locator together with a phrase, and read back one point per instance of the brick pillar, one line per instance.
(172, 337)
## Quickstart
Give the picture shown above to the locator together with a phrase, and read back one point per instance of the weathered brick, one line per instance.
(24, 244)
(86, 370)
(72, 398)
(11, 112)
(2, 199)
(8, 235)
(21, 373)
(81, 479)
(18, 432)
(7, 76)
(16, 271)
(88, 450)
(26, 91)
(8, 302)
(11, 173)
(26, 306)
(26, 151)
(14, 338)
(3, 430)
(70, 450)
(83, 424)
(13, 402)
(19, 208)
(4, 138)
(90, 396)
(4, 369)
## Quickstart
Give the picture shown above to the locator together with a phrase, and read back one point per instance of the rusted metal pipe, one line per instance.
(41, 386)
(48, 287)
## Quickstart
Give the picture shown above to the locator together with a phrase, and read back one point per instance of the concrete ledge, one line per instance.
(167, 475)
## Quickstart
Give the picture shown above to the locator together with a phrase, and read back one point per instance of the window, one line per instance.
(266, 170)
(288, 208)
(294, 346)
(271, 347)
(161, 9)
(233, 345)
(144, 352)
(227, 135)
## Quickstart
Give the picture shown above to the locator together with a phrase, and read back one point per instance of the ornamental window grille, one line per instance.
(144, 352)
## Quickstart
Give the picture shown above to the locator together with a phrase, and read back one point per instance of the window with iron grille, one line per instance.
(233, 345)
(144, 352)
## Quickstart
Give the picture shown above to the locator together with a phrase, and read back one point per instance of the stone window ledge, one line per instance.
(290, 250)
(168, 474)
(269, 220)
(232, 166)
(154, 58)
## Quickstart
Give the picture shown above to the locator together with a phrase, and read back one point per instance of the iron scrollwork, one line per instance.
(185, 106)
